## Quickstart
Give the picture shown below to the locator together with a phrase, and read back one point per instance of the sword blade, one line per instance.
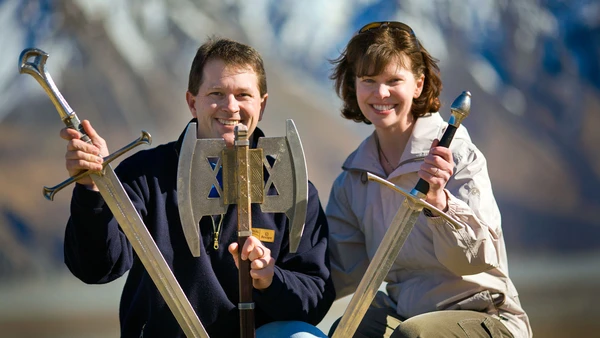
(380, 265)
(142, 242)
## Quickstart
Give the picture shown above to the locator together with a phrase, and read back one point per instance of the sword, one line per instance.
(396, 235)
(117, 200)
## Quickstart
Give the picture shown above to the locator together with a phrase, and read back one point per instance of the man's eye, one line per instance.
(215, 93)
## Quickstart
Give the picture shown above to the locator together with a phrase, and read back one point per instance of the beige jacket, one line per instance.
(439, 267)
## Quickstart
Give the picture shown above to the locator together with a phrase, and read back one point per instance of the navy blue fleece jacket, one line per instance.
(97, 251)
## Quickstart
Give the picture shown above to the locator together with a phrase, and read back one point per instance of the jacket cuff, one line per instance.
(87, 198)
(272, 293)
(453, 207)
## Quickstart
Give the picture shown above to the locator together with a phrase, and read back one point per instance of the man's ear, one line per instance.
(263, 105)
(191, 102)
(420, 83)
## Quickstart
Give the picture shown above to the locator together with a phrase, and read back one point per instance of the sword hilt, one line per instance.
(37, 69)
(460, 109)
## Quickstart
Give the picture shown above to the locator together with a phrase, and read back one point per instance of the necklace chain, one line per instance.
(383, 154)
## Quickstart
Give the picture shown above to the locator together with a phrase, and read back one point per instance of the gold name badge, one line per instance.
(264, 235)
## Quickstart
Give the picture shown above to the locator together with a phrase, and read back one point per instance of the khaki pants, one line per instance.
(385, 323)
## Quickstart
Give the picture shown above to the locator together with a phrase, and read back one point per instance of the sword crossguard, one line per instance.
(417, 202)
(49, 192)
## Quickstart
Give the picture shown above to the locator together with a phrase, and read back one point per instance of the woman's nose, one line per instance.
(382, 91)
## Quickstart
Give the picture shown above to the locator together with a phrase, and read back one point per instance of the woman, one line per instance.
(445, 281)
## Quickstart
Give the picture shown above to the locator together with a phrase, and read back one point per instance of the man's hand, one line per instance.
(82, 156)
(262, 267)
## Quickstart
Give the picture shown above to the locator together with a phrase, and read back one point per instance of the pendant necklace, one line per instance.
(383, 154)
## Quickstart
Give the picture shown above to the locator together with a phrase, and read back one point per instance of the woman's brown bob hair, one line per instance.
(370, 51)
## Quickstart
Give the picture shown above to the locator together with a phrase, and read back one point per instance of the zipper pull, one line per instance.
(216, 241)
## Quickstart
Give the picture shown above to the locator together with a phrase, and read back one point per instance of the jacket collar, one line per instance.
(254, 137)
(366, 156)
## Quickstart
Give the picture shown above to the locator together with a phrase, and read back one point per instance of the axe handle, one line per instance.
(245, 288)
(244, 216)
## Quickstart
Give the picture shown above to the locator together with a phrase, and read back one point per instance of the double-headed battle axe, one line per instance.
(243, 184)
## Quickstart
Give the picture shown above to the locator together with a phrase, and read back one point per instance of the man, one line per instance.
(227, 86)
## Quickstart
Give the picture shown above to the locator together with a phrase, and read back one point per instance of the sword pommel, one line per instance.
(460, 108)
(37, 69)
(241, 135)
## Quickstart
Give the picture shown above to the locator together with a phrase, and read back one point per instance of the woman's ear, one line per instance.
(419, 88)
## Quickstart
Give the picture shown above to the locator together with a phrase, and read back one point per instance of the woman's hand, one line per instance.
(437, 170)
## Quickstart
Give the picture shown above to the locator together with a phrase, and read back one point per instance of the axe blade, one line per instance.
(194, 184)
(289, 176)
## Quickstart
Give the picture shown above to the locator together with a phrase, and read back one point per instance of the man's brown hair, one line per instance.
(232, 53)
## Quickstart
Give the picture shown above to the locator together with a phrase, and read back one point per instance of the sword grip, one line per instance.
(74, 123)
(423, 186)
(460, 108)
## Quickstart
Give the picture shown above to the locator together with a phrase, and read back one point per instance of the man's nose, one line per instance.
(231, 104)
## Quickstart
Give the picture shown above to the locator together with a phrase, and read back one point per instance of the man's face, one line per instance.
(228, 95)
